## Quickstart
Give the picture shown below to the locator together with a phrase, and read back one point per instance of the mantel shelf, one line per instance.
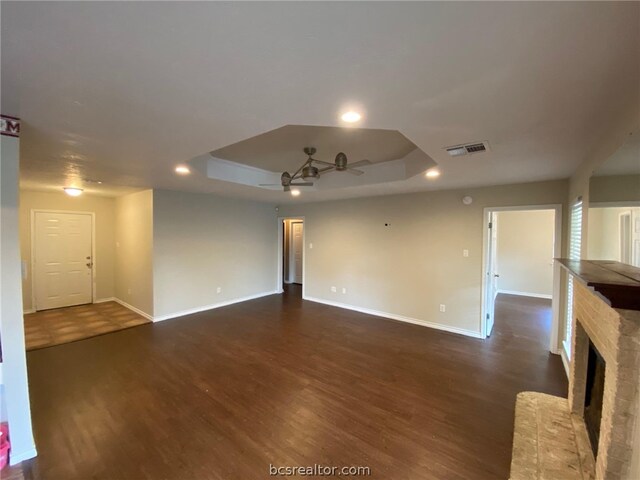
(617, 283)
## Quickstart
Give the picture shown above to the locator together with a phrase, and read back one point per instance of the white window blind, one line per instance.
(575, 243)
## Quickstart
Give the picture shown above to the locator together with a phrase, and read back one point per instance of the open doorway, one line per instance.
(520, 244)
(291, 255)
(614, 233)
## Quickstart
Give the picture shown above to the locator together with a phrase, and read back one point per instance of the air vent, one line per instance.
(469, 148)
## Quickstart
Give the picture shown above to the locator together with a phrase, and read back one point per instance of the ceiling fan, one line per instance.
(309, 172)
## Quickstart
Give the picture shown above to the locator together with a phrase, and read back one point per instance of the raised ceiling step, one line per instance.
(549, 443)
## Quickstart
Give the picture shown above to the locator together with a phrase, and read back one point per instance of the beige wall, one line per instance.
(525, 251)
(134, 250)
(104, 210)
(410, 267)
(614, 188)
(202, 242)
(604, 233)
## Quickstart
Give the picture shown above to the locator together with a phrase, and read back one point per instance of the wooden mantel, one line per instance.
(617, 283)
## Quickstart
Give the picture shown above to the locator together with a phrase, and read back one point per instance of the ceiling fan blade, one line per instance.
(326, 169)
(302, 184)
(354, 171)
(269, 184)
(360, 163)
(324, 163)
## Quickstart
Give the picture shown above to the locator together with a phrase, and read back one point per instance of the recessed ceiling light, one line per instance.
(295, 192)
(182, 170)
(72, 191)
(351, 116)
(433, 173)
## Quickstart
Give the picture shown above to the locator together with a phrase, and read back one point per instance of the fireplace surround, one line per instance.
(551, 438)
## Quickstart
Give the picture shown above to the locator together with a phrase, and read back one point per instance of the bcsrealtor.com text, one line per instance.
(317, 470)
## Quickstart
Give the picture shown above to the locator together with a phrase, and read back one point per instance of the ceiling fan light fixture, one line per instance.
(433, 173)
(295, 192)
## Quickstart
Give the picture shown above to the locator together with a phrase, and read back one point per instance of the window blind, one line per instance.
(575, 243)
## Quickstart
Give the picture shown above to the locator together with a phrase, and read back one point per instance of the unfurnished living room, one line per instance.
(250, 240)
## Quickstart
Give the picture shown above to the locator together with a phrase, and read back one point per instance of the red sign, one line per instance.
(9, 126)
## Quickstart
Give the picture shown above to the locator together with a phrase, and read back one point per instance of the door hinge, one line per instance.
(487, 316)
(490, 224)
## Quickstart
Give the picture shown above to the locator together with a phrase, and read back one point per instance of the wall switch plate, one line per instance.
(465, 253)
(310, 246)
(219, 290)
(129, 291)
(443, 307)
(344, 291)
(334, 289)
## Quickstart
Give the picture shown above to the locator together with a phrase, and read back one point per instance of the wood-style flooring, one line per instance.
(63, 325)
(225, 393)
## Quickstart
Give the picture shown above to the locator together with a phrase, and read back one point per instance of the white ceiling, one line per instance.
(625, 161)
(123, 91)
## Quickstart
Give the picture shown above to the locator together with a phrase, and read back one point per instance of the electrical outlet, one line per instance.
(219, 290)
(344, 291)
(443, 307)
(465, 253)
(334, 289)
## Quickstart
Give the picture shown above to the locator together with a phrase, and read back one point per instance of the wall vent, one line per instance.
(469, 148)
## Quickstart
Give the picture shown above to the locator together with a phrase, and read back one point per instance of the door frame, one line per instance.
(33, 245)
(554, 346)
(280, 253)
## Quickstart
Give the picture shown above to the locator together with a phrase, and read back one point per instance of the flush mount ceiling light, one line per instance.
(433, 173)
(295, 192)
(351, 116)
(182, 170)
(73, 191)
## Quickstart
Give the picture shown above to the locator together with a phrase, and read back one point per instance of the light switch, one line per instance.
(465, 253)
(310, 246)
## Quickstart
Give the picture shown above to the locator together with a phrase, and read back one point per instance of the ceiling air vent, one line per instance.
(469, 148)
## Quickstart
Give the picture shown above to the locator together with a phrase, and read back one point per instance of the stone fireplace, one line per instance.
(615, 335)
(590, 435)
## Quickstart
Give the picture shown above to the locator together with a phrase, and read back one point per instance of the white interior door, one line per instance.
(297, 248)
(62, 259)
(492, 274)
(635, 237)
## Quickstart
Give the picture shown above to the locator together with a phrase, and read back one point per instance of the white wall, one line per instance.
(14, 367)
(104, 210)
(134, 251)
(202, 242)
(525, 252)
(409, 268)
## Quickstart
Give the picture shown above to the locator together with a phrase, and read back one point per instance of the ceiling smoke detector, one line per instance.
(469, 148)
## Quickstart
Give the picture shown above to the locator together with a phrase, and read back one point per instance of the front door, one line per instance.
(297, 250)
(62, 259)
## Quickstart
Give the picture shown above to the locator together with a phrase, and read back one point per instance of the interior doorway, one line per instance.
(62, 258)
(520, 244)
(291, 253)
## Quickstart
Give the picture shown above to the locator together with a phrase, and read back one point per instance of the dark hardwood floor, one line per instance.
(223, 394)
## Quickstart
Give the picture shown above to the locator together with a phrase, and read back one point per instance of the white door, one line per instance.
(297, 248)
(62, 259)
(492, 274)
(635, 237)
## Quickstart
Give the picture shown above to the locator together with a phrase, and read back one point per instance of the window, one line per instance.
(575, 244)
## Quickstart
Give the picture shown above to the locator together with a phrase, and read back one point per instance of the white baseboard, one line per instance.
(204, 308)
(400, 318)
(105, 300)
(525, 294)
(17, 457)
(133, 309)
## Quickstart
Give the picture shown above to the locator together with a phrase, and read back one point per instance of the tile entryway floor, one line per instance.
(64, 325)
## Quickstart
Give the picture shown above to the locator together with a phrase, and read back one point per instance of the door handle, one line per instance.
(496, 275)
(89, 265)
